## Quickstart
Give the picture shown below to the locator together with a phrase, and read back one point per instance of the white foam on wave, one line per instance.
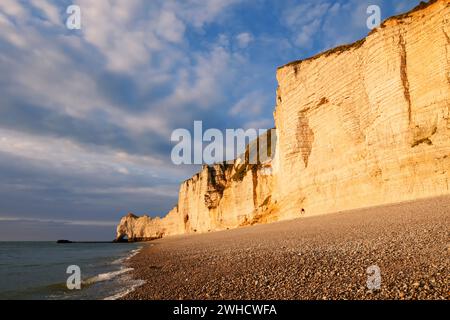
(107, 276)
(134, 284)
(131, 255)
(131, 284)
(119, 261)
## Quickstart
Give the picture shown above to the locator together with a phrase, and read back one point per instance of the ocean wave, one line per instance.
(130, 284)
(131, 255)
(131, 287)
(106, 276)
(119, 261)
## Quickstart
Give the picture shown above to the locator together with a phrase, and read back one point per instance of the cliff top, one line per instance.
(251, 150)
(359, 43)
(131, 215)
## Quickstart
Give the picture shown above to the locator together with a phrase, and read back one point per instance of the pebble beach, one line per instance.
(311, 258)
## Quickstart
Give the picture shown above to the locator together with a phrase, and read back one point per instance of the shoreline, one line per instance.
(321, 257)
(126, 272)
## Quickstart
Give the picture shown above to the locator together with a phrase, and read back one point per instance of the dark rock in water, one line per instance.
(85, 242)
(120, 240)
(63, 241)
(136, 239)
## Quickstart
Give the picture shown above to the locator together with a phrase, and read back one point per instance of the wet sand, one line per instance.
(323, 257)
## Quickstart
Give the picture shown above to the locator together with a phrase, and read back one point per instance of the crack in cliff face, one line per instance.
(305, 137)
(404, 75)
(446, 35)
(255, 174)
(216, 185)
(447, 52)
(255, 185)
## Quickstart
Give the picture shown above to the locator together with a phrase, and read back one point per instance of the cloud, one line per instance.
(251, 104)
(139, 49)
(244, 39)
(169, 27)
(304, 13)
(200, 12)
(86, 117)
(89, 223)
(110, 27)
(305, 20)
(13, 9)
(306, 33)
(63, 155)
(326, 24)
(50, 11)
(127, 44)
(60, 178)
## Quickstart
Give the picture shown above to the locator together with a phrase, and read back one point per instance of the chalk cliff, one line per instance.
(221, 196)
(360, 125)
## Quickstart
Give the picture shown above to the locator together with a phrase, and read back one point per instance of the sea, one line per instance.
(39, 270)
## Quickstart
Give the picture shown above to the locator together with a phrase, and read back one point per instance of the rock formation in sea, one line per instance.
(356, 126)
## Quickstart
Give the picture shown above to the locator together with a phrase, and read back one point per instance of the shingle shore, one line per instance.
(324, 257)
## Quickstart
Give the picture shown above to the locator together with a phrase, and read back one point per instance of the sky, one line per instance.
(86, 115)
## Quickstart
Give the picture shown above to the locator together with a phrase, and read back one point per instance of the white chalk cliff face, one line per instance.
(222, 196)
(219, 197)
(360, 125)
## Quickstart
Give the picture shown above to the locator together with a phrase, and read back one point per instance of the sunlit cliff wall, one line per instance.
(219, 197)
(369, 123)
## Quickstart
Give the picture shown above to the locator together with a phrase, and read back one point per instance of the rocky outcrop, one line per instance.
(360, 125)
